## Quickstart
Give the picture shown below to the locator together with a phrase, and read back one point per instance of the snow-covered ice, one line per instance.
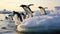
(50, 21)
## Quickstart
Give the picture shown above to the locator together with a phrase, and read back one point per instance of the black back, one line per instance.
(24, 15)
(27, 6)
(43, 9)
(18, 15)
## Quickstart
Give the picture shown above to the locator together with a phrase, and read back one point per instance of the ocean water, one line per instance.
(5, 23)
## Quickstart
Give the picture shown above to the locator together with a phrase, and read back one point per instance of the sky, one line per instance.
(15, 4)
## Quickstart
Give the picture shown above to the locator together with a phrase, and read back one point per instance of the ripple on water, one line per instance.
(7, 31)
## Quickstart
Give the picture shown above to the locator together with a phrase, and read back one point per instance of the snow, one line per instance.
(37, 13)
(35, 21)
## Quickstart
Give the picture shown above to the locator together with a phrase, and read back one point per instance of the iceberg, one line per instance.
(40, 23)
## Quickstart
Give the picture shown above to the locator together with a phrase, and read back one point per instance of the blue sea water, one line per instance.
(5, 23)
